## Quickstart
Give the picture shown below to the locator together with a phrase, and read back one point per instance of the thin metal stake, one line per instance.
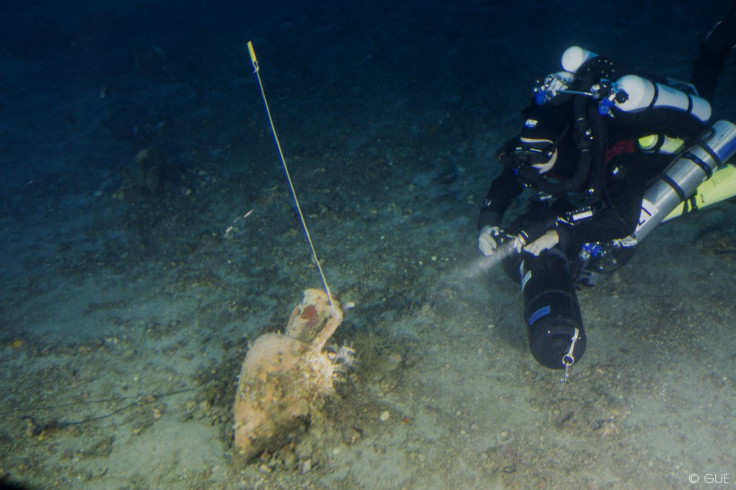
(256, 70)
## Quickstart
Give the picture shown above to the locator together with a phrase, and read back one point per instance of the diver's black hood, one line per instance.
(546, 122)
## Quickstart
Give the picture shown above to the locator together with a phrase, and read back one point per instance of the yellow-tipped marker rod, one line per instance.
(256, 70)
(253, 59)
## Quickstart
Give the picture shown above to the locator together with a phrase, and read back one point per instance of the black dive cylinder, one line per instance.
(551, 310)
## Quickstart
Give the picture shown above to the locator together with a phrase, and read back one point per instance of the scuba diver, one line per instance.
(608, 154)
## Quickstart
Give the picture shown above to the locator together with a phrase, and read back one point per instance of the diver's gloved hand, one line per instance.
(488, 240)
(545, 242)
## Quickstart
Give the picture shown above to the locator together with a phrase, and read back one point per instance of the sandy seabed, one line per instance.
(148, 235)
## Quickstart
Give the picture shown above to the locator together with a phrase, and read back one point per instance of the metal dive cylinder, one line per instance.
(683, 176)
(642, 94)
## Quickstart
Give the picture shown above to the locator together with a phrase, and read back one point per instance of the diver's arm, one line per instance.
(503, 191)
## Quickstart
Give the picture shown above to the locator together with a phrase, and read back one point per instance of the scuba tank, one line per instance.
(574, 57)
(721, 186)
(683, 176)
(644, 94)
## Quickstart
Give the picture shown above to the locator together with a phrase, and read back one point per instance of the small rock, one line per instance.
(290, 460)
(350, 436)
(393, 361)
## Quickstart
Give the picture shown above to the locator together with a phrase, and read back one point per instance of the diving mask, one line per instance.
(540, 154)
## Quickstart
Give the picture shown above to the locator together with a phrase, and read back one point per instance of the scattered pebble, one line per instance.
(384, 415)
(393, 361)
(350, 436)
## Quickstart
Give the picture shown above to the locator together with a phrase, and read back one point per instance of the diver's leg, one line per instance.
(714, 51)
